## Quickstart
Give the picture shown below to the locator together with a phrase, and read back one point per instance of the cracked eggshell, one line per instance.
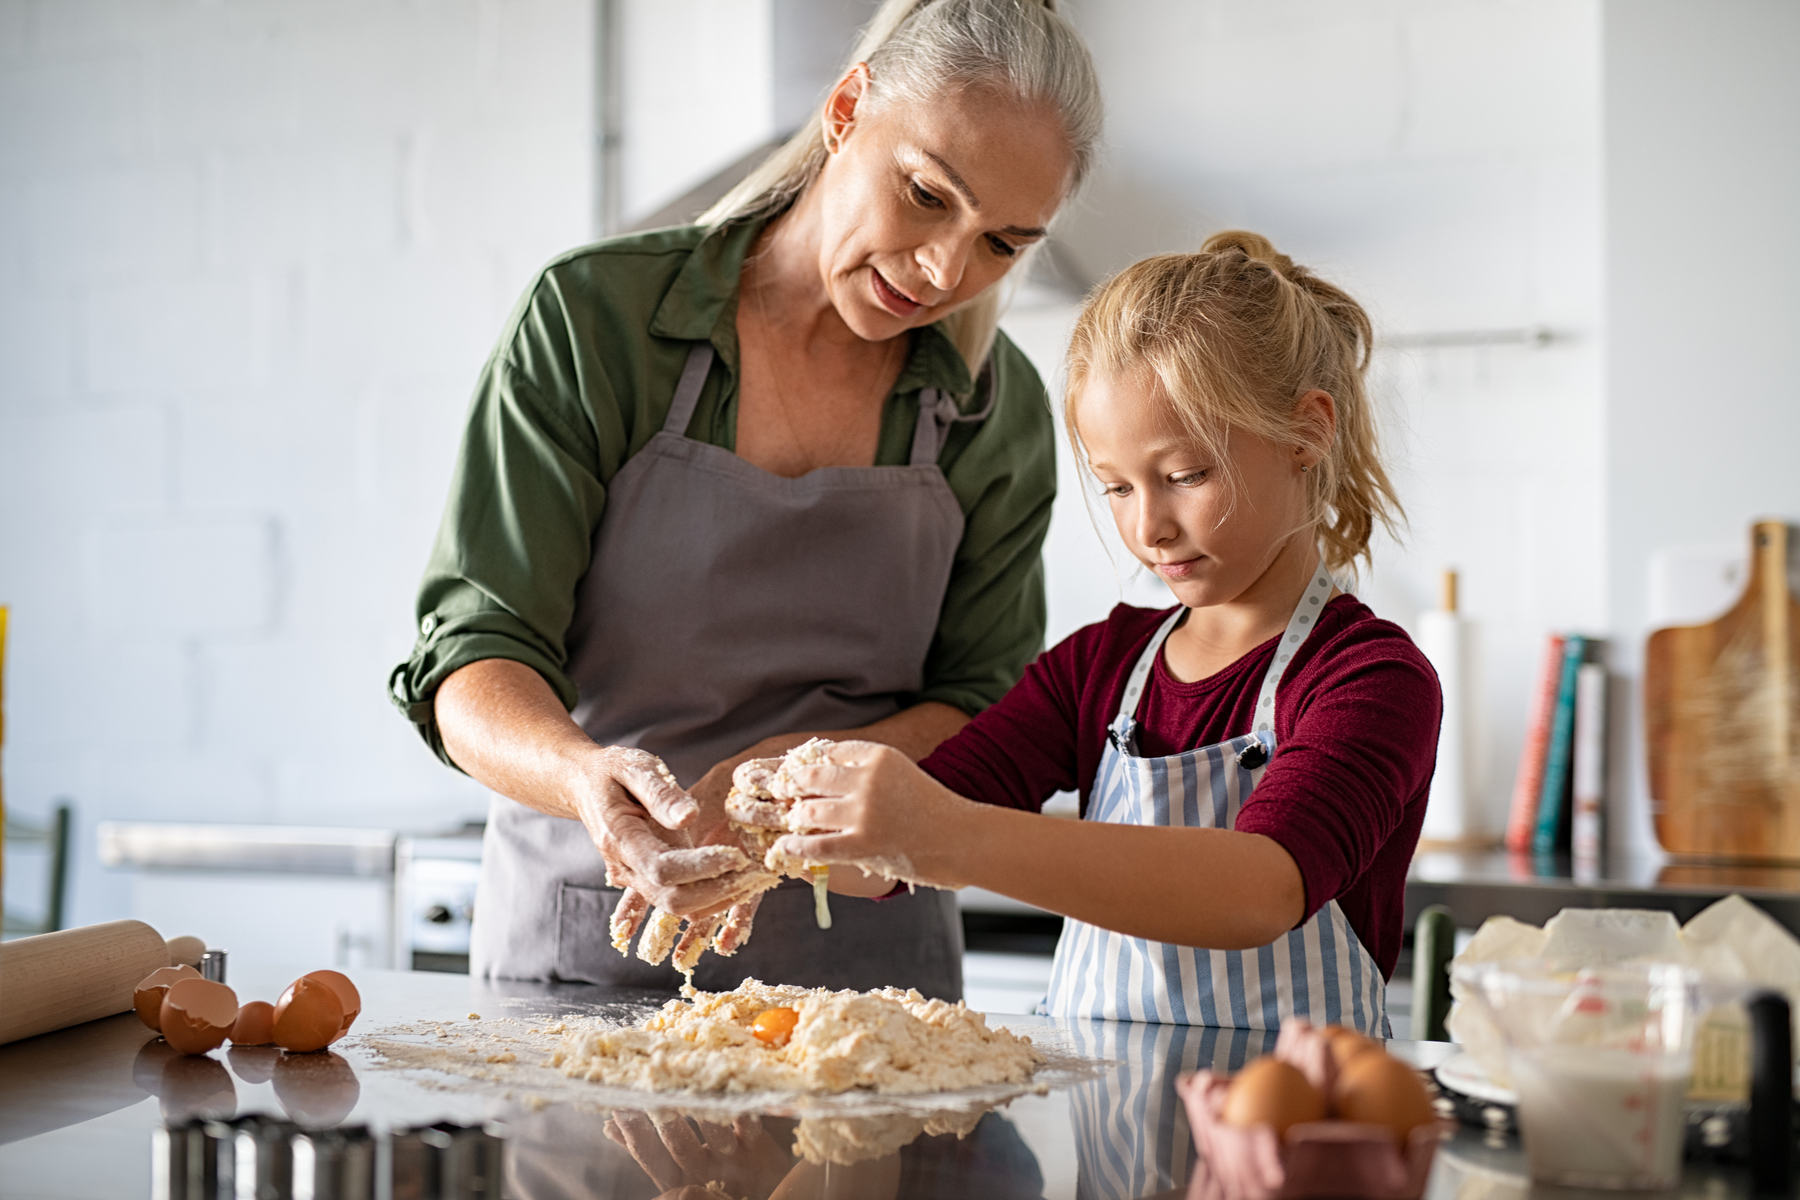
(309, 1015)
(197, 1015)
(347, 995)
(255, 1024)
(147, 997)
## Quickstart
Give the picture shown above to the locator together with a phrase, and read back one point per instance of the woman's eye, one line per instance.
(1002, 247)
(924, 198)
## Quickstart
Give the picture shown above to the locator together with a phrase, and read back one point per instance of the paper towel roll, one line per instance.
(1453, 814)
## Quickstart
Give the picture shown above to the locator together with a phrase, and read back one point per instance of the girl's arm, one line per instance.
(1213, 888)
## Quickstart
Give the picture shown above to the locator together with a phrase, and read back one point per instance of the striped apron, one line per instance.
(1319, 971)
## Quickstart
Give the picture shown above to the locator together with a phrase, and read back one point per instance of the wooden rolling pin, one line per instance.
(55, 980)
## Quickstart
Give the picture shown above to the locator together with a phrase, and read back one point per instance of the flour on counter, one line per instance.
(887, 1041)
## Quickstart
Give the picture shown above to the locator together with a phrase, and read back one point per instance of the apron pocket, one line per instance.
(584, 949)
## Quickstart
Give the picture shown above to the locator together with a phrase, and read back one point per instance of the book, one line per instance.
(1521, 821)
(1553, 807)
(1588, 826)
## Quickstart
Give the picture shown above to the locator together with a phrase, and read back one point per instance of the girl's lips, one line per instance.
(1177, 570)
(894, 301)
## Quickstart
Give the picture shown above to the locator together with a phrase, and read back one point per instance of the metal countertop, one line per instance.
(77, 1109)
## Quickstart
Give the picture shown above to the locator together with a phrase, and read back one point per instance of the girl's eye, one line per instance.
(1191, 479)
(1118, 489)
(923, 198)
(1002, 247)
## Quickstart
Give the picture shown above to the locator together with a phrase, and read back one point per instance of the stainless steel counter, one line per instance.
(78, 1109)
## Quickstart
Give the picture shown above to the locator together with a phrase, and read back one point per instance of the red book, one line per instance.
(1521, 822)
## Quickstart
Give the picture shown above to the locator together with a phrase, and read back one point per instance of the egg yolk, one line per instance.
(775, 1026)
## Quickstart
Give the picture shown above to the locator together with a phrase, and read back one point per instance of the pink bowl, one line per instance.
(1318, 1158)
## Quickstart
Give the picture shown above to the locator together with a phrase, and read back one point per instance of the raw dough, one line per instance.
(889, 1041)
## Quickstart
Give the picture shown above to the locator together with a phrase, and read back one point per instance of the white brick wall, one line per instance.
(251, 259)
(1441, 160)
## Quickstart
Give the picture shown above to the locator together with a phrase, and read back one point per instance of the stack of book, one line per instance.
(1558, 795)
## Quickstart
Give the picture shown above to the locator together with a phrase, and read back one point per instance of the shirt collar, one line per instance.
(702, 303)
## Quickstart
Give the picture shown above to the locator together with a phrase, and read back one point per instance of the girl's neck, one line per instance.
(1214, 637)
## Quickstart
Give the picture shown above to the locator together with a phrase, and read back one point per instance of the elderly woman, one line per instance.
(728, 486)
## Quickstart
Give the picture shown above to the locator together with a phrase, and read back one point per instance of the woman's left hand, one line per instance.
(881, 813)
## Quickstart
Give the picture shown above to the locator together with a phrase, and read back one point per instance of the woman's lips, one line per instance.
(894, 301)
(1177, 570)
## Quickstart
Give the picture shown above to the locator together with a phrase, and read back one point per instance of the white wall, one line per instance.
(1703, 282)
(1441, 160)
(251, 259)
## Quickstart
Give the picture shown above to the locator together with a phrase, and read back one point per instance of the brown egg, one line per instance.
(347, 995)
(316, 1089)
(1271, 1092)
(1346, 1044)
(309, 1015)
(147, 997)
(1379, 1089)
(197, 1015)
(255, 1024)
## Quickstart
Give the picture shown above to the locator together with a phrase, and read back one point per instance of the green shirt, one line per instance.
(583, 377)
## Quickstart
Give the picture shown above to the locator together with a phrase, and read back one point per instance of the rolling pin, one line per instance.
(55, 980)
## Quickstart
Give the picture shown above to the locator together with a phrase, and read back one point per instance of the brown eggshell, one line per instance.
(1272, 1092)
(196, 1086)
(1379, 1089)
(309, 1015)
(347, 995)
(255, 1024)
(147, 997)
(254, 1064)
(1347, 1044)
(197, 1015)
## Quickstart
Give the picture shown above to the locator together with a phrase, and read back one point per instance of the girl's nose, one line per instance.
(1154, 525)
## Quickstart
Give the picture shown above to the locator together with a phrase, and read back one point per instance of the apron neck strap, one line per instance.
(687, 389)
(938, 412)
(1306, 613)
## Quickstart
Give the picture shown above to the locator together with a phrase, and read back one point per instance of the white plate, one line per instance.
(1461, 1073)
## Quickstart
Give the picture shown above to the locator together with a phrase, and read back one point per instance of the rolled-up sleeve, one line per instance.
(514, 544)
(1004, 477)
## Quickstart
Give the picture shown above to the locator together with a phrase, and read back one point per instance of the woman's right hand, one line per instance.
(657, 841)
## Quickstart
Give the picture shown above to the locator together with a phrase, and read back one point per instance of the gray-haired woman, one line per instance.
(727, 486)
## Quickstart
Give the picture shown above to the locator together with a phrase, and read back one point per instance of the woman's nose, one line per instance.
(943, 263)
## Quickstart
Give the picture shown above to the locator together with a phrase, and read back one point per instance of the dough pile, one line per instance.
(884, 1041)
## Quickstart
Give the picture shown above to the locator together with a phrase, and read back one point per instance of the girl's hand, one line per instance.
(882, 813)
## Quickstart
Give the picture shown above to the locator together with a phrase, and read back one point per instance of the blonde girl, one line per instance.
(1253, 762)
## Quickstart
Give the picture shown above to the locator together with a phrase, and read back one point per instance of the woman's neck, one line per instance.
(781, 279)
(1214, 637)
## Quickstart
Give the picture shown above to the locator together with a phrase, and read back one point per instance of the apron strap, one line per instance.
(687, 389)
(938, 411)
(1298, 626)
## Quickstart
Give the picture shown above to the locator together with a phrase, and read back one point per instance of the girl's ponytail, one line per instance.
(1236, 334)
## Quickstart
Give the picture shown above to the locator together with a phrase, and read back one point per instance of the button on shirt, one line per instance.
(582, 379)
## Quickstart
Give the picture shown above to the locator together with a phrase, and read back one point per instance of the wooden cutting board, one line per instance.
(1719, 709)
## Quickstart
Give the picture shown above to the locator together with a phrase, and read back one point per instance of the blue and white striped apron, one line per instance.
(1319, 971)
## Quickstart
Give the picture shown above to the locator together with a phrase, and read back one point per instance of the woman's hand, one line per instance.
(677, 1154)
(884, 815)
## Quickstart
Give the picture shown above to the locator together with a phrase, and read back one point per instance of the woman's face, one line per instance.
(924, 206)
(1210, 536)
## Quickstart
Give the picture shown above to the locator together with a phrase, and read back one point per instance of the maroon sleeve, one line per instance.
(1021, 751)
(1345, 792)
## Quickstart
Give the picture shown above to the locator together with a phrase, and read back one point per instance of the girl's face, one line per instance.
(923, 207)
(1210, 536)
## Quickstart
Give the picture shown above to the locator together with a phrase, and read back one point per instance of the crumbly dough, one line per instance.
(888, 1041)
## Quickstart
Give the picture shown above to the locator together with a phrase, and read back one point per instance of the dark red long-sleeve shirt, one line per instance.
(1356, 724)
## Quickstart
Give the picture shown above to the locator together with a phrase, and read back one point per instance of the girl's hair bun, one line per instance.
(1254, 246)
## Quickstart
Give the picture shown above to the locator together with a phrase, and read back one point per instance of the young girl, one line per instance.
(1253, 763)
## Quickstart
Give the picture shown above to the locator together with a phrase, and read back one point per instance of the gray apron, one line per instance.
(725, 604)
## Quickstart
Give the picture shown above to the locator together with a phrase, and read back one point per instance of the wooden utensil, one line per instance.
(55, 980)
(1719, 706)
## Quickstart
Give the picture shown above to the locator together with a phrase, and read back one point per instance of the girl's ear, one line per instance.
(1315, 412)
(840, 107)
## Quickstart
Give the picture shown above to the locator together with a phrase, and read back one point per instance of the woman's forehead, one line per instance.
(1005, 154)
